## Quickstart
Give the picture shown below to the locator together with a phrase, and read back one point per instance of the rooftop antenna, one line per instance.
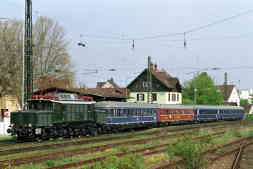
(185, 44)
(133, 45)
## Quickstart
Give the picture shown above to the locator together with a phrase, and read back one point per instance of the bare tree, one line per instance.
(51, 58)
(11, 54)
(50, 55)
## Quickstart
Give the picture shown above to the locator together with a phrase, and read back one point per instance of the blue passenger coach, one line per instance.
(127, 113)
(213, 113)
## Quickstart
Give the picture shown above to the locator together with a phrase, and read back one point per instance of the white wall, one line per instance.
(246, 94)
(162, 97)
(234, 97)
(4, 126)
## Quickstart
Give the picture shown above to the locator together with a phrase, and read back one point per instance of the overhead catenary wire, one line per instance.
(218, 21)
(172, 34)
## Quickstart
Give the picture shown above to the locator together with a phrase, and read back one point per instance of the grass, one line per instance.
(148, 161)
(6, 138)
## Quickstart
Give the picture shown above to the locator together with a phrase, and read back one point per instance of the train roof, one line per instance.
(109, 104)
(74, 102)
(217, 107)
(139, 105)
(64, 101)
(124, 104)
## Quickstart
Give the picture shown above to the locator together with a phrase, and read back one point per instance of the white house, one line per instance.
(248, 108)
(246, 94)
(230, 94)
(164, 89)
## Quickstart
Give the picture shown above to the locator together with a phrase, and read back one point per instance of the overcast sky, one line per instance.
(106, 25)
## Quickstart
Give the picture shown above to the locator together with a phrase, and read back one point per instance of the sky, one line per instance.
(218, 34)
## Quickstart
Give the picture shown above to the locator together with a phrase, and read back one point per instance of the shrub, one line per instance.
(206, 139)
(50, 163)
(124, 149)
(236, 133)
(189, 152)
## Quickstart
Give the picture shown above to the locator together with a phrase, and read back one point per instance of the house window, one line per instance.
(146, 84)
(140, 97)
(173, 97)
(154, 97)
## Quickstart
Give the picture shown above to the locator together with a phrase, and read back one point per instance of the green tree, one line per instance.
(244, 102)
(201, 90)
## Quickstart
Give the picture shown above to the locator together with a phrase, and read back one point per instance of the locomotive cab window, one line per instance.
(40, 105)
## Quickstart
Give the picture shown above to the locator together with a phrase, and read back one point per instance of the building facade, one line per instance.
(247, 95)
(163, 88)
(8, 104)
(230, 94)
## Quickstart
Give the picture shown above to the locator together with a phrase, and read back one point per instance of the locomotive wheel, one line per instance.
(93, 132)
(83, 132)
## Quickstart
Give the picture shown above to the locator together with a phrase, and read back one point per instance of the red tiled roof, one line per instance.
(106, 92)
(226, 90)
(166, 79)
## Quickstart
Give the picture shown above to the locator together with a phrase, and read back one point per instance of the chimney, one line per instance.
(155, 67)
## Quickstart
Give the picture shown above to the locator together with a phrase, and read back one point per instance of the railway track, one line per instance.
(210, 151)
(143, 151)
(69, 153)
(7, 144)
(54, 156)
(78, 141)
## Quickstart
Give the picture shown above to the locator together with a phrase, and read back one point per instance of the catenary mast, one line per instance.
(28, 53)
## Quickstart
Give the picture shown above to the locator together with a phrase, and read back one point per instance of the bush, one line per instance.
(50, 163)
(189, 152)
(236, 133)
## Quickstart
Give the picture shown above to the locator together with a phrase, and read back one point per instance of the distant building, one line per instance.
(165, 88)
(230, 94)
(247, 95)
(107, 84)
(87, 94)
(248, 108)
(52, 83)
(8, 104)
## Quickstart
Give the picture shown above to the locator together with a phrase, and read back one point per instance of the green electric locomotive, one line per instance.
(44, 119)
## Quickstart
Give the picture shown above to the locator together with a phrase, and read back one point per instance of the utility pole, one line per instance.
(149, 80)
(226, 85)
(28, 54)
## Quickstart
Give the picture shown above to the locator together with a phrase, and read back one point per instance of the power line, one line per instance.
(172, 34)
(219, 21)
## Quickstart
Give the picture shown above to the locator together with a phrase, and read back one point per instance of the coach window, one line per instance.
(169, 97)
(177, 97)
(154, 111)
(123, 112)
(148, 112)
(129, 113)
(138, 112)
(144, 112)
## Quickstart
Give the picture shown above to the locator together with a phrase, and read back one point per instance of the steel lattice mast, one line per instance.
(28, 53)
